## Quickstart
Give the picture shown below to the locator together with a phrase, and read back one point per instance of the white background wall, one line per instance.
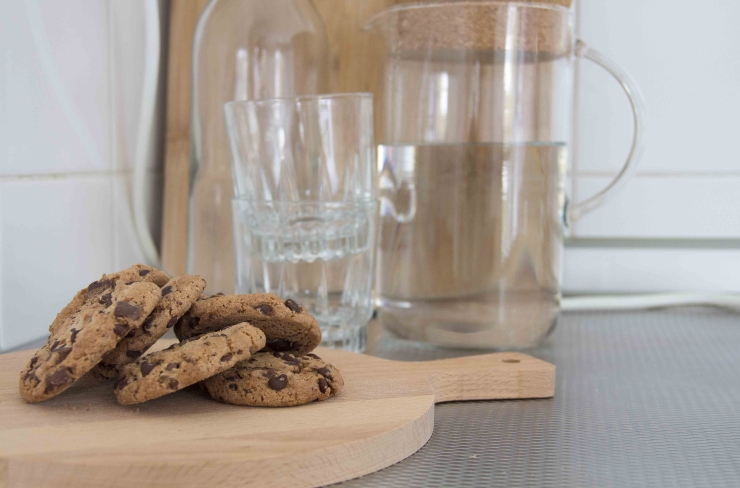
(70, 87)
(677, 225)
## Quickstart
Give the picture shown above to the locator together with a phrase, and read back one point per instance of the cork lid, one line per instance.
(482, 26)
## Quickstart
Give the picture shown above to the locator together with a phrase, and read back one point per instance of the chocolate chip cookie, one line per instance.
(178, 295)
(80, 341)
(276, 379)
(136, 273)
(287, 326)
(184, 364)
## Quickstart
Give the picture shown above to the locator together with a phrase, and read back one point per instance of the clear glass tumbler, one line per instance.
(243, 50)
(305, 210)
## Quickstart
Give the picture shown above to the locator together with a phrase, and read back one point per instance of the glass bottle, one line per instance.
(242, 50)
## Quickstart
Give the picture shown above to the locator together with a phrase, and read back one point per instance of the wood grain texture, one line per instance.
(183, 18)
(358, 56)
(384, 414)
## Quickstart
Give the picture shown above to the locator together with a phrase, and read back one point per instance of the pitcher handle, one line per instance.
(578, 210)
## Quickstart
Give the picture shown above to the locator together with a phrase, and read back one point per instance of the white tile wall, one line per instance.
(126, 247)
(55, 115)
(56, 236)
(70, 90)
(683, 55)
(646, 270)
(661, 206)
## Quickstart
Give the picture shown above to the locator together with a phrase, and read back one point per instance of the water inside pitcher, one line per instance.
(478, 105)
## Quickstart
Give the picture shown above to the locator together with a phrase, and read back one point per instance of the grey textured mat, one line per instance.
(642, 399)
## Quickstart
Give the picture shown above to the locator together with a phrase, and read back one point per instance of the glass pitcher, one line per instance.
(478, 109)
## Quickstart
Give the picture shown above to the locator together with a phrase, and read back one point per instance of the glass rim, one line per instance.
(443, 4)
(302, 98)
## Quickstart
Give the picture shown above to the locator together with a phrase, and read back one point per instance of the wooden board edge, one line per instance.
(184, 15)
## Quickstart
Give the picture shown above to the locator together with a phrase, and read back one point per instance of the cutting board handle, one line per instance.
(488, 377)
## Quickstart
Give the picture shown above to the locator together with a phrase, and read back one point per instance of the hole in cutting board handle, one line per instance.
(510, 361)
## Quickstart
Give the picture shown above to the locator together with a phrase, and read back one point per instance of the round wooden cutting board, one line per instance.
(385, 413)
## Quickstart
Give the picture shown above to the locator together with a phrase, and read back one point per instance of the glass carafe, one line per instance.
(478, 104)
(243, 50)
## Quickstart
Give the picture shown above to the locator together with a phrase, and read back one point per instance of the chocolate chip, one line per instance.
(144, 272)
(239, 352)
(173, 384)
(127, 310)
(106, 300)
(172, 322)
(278, 382)
(293, 306)
(120, 330)
(54, 346)
(226, 357)
(288, 358)
(97, 286)
(233, 386)
(74, 335)
(323, 385)
(63, 352)
(34, 360)
(264, 309)
(121, 384)
(59, 378)
(280, 345)
(133, 354)
(312, 355)
(326, 373)
(172, 366)
(131, 333)
(147, 324)
(166, 291)
(146, 368)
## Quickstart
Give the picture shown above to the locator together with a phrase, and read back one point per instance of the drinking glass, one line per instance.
(305, 209)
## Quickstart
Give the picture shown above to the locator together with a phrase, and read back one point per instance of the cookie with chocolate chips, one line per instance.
(287, 326)
(91, 294)
(276, 379)
(178, 295)
(184, 364)
(80, 341)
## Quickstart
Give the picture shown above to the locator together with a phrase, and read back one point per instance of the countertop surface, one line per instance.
(642, 399)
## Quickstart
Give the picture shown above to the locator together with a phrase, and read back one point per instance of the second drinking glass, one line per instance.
(305, 206)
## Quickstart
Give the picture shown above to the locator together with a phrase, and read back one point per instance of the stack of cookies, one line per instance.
(244, 349)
